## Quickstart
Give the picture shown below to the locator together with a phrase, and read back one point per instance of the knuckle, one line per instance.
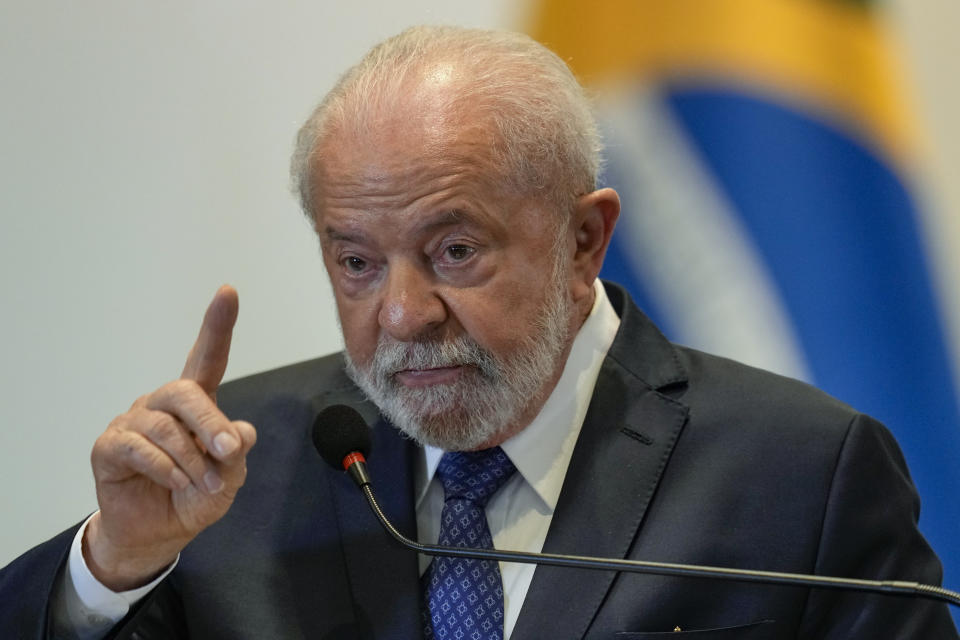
(187, 387)
(105, 445)
(189, 457)
(173, 392)
(135, 456)
(169, 434)
(208, 415)
(100, 448)
(146, 460)
(141, 401)
(161, 427)
(119, 423)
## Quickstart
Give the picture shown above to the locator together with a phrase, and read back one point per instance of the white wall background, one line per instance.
(143, 162)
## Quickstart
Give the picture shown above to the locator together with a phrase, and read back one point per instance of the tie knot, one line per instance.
(474, 475)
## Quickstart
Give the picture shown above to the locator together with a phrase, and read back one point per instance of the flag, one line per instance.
(765, 157)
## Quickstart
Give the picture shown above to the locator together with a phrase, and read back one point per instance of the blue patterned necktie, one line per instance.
(463, 598)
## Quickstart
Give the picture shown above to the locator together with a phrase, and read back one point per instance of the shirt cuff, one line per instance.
(88, 602)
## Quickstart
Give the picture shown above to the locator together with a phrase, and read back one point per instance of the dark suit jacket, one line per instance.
(683, 457)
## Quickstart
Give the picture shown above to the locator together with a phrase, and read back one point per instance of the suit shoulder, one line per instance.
(302, 383)
(731, 390)
(305, 375)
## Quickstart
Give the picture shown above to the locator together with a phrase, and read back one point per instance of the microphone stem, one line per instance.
(889, 587)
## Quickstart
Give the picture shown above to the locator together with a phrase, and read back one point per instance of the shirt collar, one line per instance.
(541, 452)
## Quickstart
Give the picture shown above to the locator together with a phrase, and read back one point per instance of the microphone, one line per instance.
(342, 439)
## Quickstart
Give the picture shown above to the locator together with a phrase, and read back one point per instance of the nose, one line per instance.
(411, 306)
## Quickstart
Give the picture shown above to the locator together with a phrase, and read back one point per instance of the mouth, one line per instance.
(414, 378)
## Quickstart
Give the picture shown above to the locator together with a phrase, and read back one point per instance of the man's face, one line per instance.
(453, 302)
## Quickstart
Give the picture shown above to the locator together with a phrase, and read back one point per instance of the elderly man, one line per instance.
(451, 179)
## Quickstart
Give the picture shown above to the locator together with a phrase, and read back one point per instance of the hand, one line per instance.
(170, 466)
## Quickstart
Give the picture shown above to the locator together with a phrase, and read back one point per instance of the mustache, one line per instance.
(391, 357)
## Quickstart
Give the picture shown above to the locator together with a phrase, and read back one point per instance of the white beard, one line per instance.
(491, 393)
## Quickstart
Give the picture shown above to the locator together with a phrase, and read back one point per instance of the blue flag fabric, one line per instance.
(768, 211)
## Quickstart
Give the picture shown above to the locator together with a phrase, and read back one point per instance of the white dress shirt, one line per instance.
(519, 514)
(82, 608)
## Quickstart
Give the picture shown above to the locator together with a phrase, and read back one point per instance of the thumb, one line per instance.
(207, 360)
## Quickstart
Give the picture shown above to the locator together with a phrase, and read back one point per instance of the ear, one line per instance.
(592, 224)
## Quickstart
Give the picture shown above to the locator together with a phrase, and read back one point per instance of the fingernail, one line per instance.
(179, 479)
(213, 482)
(225, 444)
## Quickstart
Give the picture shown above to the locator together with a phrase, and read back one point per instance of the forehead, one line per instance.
(400, 154)
(395, 146)
(429, 111)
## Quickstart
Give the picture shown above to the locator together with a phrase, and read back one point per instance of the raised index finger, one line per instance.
(207, 360)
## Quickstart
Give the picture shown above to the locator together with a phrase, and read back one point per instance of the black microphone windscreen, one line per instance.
(338, 431)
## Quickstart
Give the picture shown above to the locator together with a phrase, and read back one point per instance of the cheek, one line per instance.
(504, 318)
(360, 329)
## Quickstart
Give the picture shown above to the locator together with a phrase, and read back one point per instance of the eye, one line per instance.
(459, 252)
(354, 264)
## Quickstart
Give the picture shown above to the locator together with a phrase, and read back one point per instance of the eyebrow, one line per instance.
(446, 219)
(341, 236)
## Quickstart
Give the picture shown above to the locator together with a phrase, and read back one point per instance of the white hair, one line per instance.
(544, 139)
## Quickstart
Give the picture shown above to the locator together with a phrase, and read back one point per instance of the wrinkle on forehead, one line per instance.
(397, 171)
(401, 147)
(387, 193)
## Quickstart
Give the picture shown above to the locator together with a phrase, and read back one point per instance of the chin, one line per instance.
(452, 429)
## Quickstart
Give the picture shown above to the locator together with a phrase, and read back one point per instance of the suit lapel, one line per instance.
(383, 576)
(624, 445)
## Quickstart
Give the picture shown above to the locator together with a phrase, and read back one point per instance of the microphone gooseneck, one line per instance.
(334, 445)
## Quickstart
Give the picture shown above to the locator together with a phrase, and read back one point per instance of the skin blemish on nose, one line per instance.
(394, 310)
